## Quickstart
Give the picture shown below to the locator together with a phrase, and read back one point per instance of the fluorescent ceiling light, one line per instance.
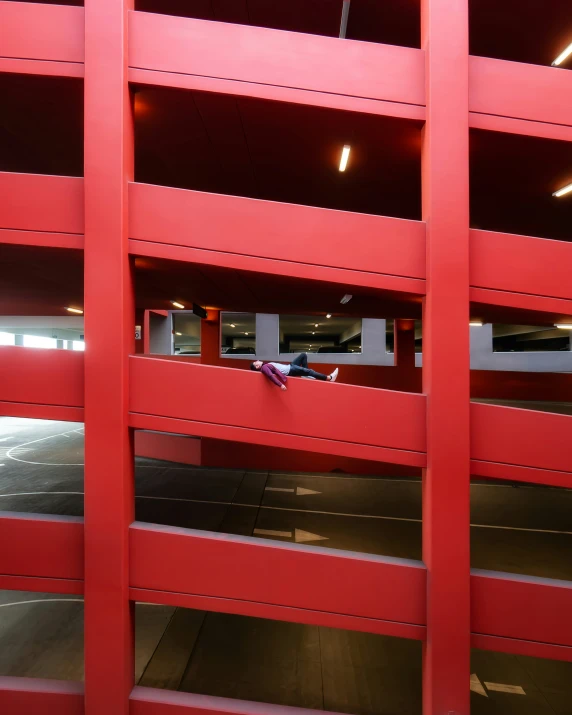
(232, 325)
(313, 332)
(329, 315)
(75, 310)
(177, 305)
(178, 333)
(476, 323)
(246, 333)
(346, 299)
(564, 326)
(345, 157)
(563, 56)
(564, 190)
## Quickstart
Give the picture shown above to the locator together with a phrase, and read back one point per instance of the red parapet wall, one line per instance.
(32, 202)
(49, 381)
(299, 238)
(201, 394)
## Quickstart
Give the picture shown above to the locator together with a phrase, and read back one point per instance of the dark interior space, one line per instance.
(512, 179)
(391, 22)
(530, 338)
(41, 125)
(277, 151)
(531, 31)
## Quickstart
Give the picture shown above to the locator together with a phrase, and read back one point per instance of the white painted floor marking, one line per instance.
(302, 511)
(501, 688)
(299, 535)
(299, 491)
(43, 600)
(477, 686)
(5, 439)
(35, 441)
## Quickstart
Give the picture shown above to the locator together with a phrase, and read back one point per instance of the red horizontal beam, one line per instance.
(529, 475)
(41, 32)
(41, 238)
(34, 202)
(291, 442)
(522, 301)
(42, 377)
(47, 68)
(278, 94)
(41, 585)
(502, 605)
(520, 647)
(293, 238)
(279, 613)
(277, 574)
(41, 412)
(525, 438)
(240, 398)
(33, 696)
(41, 546)
(272, 57)
(507, 262)
(514, 89)
(153, 701)
(509, 125)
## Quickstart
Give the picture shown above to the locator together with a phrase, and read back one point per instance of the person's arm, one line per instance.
(275, 375)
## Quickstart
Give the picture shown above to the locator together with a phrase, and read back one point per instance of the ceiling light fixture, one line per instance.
(476, 323)
(232, 325)
(346, 299)
(564, 190)
(75, 310)
(329, 315)
(563, 56)
(563, 326)
(313, 332)
(316, 325)
(177, 305)
(345, 157)
(246, 333)
(178, 333)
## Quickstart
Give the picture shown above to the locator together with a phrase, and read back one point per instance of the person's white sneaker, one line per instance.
(334, 375)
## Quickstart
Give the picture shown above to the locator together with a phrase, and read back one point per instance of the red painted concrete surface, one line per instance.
(114, 561)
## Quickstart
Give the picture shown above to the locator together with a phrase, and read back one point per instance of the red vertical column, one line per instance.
(109, 334)
(210, 338)
(404, 344)
(446, 481)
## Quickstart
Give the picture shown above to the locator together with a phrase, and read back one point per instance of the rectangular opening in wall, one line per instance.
(277, 151)
(238, 333)
(41, 129)
(272, 493)
(186, 333)
(519, 684)
(262, 660)
(520, 31)
(532, 339)
(521, 528)
(393, 22)
(319, 334)
(42, 466)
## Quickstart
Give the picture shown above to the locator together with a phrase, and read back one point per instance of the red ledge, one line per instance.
(283, 268)
(254, 436)
(513, 472)
(280, 613)
(519, 647)
(278, 94)
(537, 303)
(41, 585)
(42, 412)
(41, 238)
(526, 127)
(46, 68)
(32, 696)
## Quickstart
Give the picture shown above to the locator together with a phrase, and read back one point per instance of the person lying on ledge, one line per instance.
(279, 373)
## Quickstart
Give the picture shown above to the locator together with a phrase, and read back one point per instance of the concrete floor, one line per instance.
(523, 530)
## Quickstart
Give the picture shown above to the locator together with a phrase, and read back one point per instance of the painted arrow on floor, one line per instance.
(299, 491)
(478, 687)
(300, 536)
